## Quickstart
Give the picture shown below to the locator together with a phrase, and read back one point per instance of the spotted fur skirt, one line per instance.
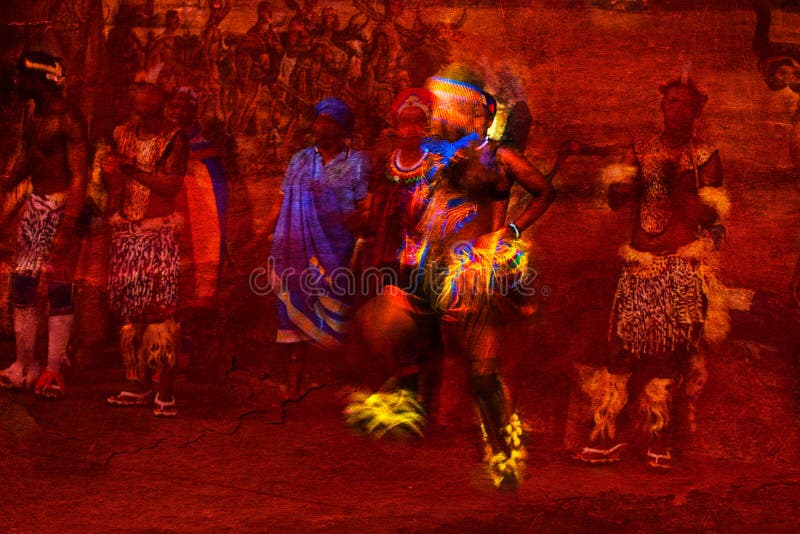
(143, 274)
(659, 305)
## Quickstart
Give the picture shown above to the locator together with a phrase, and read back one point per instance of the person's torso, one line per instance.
(47, 153)
(666, 215)
(469, 200)
(146, 155)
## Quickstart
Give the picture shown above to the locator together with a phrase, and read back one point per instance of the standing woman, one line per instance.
(323, 188)
(401, 176)
(405, 169)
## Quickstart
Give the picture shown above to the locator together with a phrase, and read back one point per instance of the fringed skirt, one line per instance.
(659, 305)
(143, 275)
(466, 282)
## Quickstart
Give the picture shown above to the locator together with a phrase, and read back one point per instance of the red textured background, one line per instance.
(239, 459)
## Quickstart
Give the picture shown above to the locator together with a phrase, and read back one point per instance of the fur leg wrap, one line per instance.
(502, 432)
(159, 350)
(386, 414)
(695, 382)
(721, 299)
(127, 347)
(507, 469)
(654, 406)
(618, 173)
(608, 394)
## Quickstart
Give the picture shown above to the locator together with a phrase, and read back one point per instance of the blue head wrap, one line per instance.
(337, 110)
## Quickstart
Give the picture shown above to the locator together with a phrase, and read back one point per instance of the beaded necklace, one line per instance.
(400, 175)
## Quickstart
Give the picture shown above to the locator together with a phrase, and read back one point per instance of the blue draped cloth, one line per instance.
(312, 246)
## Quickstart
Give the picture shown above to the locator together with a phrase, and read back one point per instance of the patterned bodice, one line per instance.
(655, 209)
(145, 155)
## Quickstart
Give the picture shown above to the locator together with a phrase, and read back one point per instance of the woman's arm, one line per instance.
(521, 171)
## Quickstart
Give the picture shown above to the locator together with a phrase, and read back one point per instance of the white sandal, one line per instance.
(659, 461)
(129, 398)
(600, 456)
(164, 409)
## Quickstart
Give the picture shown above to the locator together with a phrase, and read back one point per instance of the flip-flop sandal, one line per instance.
(130, 399)
(600, 456)
(661, 462)
(164, 409)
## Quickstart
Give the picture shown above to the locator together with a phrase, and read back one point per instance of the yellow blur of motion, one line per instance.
(392, 413)
(473, 275)
(507, 470)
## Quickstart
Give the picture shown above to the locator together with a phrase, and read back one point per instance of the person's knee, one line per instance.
(24, 290)
(482, 384)
(620, 361)
(483, 367)
(61, 298)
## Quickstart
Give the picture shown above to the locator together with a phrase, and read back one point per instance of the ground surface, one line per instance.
(297, 468)
(238, 458)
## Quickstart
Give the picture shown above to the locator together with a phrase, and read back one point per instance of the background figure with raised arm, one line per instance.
(295, 70)
(125, 58)
(145, 173)
(669, 303)
(211, 55)
(329, 59)
(324, 189)
(382, 59)
(430, 45)
(53, 155)
(168, 50)
(257, 63)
